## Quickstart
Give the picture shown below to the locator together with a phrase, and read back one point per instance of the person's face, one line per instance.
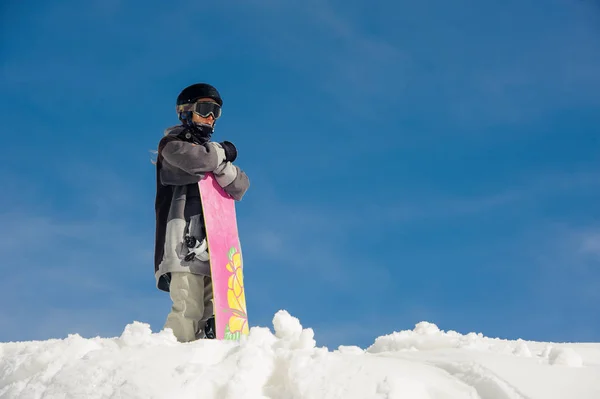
(210, 120)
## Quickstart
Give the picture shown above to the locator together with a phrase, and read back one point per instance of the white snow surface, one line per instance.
(423, 363)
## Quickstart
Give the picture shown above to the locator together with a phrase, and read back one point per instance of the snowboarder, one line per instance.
(185, 154)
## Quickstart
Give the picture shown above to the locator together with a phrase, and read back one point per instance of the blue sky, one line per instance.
(409, 161)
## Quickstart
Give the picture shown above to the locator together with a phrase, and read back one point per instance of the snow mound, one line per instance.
(427, 336)
(521, 349)
(565, 357)
(423, 363)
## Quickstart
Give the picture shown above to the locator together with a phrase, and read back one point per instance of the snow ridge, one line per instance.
(423, 363)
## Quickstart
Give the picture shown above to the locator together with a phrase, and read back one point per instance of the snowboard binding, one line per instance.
(197, 249)
(209, 329)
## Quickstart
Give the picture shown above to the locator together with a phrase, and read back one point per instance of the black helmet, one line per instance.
(199, 90)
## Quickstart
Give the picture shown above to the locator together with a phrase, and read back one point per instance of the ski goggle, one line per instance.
(204, 109)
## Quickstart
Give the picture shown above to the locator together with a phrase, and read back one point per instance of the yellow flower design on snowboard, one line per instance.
(238, 322)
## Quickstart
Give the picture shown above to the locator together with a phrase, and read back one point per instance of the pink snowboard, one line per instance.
(226, 266)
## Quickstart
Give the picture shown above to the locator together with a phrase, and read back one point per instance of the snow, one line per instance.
(565, 357)
(422, 363)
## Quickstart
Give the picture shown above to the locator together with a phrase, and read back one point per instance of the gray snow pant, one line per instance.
(192, 296)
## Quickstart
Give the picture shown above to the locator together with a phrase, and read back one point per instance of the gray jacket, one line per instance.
(179, 167)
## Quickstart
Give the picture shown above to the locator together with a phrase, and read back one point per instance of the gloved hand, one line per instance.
(230, 151)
